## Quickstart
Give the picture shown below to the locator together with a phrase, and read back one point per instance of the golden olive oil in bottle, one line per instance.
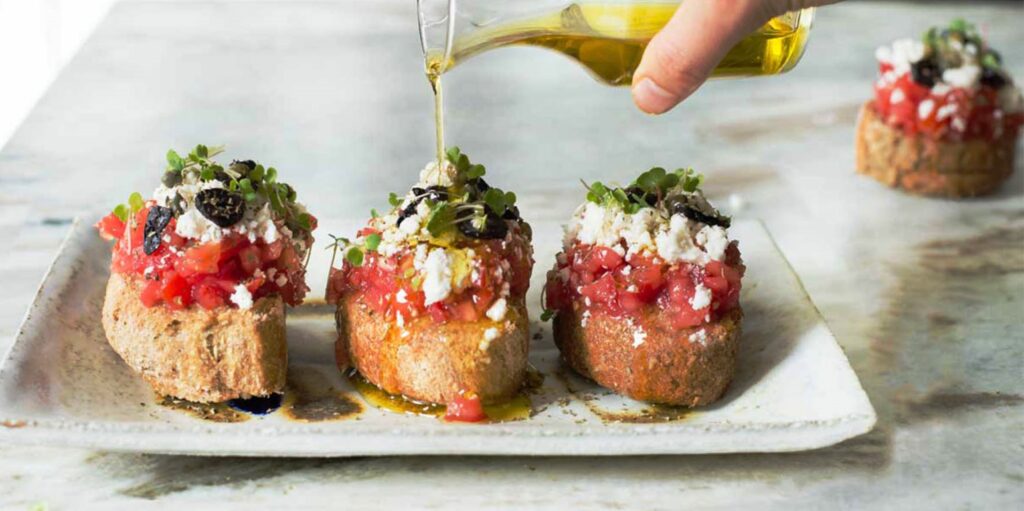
(609, 39)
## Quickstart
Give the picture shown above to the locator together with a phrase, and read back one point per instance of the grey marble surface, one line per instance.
(925, 296)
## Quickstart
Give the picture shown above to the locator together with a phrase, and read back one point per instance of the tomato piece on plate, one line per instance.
(465, 408)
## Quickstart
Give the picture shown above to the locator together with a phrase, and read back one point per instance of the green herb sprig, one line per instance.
(126, 212)
(354, 252)
(655, 183)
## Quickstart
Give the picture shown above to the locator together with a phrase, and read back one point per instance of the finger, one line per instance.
(683, 54)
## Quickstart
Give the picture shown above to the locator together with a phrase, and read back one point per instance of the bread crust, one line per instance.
(925, 166)
(666, 368)
(197, 354)
(432, 362)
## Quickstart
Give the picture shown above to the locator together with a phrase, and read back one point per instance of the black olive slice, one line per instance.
(926, 72)
(697, 208)
(487, 225)
(993, 78)
(478, 184)
(178, 204)
(156, 222)
(511, 214)
(435, 193)
(220, 206)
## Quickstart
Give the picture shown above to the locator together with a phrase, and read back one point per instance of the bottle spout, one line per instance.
(437, 31)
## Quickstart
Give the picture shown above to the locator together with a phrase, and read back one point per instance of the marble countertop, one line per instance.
(926, 296)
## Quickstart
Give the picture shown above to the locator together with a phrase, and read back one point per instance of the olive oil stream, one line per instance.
(609, 39)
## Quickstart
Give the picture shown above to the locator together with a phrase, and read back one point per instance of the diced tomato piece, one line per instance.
(436, 312)
(250, 259)
(200, 259)
(210, 295)
(152, 293)
(466, 408)
(110, 227)
(602, 258)
(175, 292)
(602, 290)
(465, 311)
(272, 251)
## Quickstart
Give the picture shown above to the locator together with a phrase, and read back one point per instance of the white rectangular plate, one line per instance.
(794, 389)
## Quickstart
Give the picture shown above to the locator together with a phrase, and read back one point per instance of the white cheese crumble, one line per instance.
(701, 297)
(699, 337)
(964, 76)
(242, 297)
(498, 310)
(674, 238)
(924, 109)
(437, 276)
(489, 335)
(639, 336)
(902, 54)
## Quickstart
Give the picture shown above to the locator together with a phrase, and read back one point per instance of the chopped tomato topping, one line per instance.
(392, 285)
(607, 282)
(952, 113)
(181, 271)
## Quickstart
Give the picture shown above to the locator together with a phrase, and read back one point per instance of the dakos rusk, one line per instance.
(945, 117)
(430, 296)
(200, 276)
(645, 292)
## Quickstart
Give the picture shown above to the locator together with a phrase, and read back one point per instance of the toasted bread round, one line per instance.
(924, 166)
(197, 354)
(432, 362)
(689, 366)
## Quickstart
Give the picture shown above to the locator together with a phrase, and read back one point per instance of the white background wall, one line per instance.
(37, 37)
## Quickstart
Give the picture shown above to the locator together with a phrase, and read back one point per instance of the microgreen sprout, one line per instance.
(648, 190)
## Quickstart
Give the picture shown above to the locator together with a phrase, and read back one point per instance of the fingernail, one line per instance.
(651, 98)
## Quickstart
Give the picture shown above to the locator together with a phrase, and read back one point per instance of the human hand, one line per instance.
(681, 57)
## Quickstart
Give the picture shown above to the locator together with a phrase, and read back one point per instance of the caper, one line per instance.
(156, 221)
(220, 206)
(171, 178)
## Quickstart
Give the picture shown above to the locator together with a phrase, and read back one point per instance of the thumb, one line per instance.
(683, 54)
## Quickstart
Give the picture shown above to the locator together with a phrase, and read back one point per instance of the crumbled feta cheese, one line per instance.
(699, 337)
(701, 297)
(432, 176)
(498, 310)
(639, 336)
(489, 335)
(585, 318)
(897, 96)
(401, 296)
(242, 297)
(964, 76)
(924, 109)
(437, 280)
(193, 225)
(902, 54)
